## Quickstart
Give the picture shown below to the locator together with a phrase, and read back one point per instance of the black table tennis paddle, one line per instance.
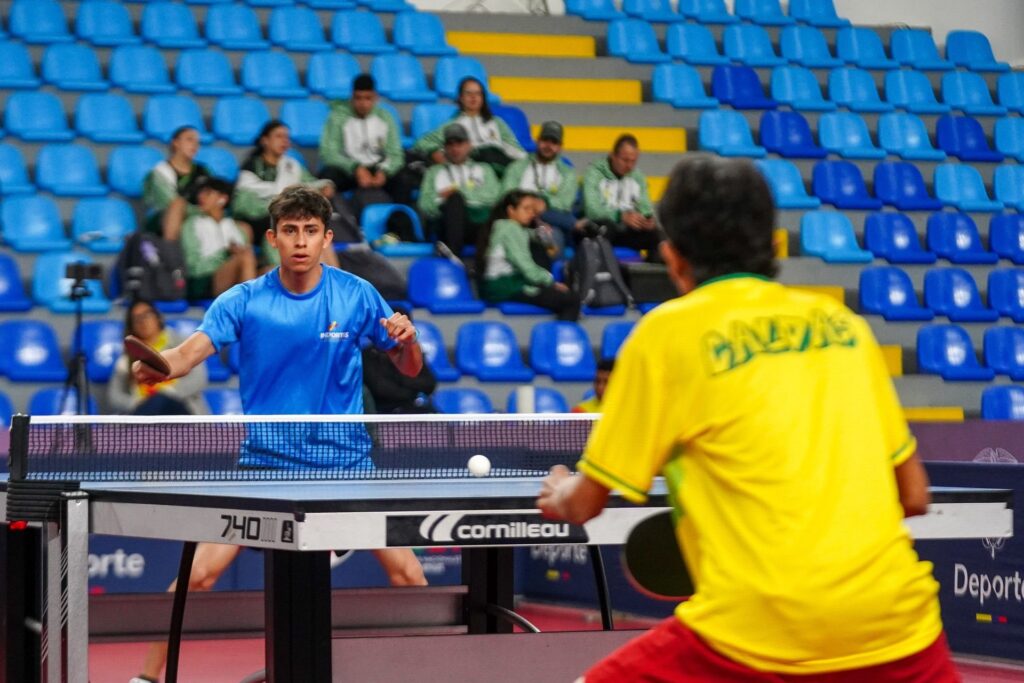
(654, 561)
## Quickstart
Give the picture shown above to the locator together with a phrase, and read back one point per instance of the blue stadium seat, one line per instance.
(32, 223)
(51, 289)
(421, 34)
(946, 350)
(101, 224)
(330, 74)
(855, 89)
(224, 401)
(128, 165)
(69, 171)
(234, 27)
(1004, 351)
(740, 87)
(765, 12)
(31, 352)
(271, 74)
(750, 45)
(1006, 292)
(806, 46)
(297, 29)
(36, 117)
(964, 138)
(820, 13)
(545, 400)
(1010, 137)
(359, 32)
(461, 401)
(140, 69)
(16, 66)
(400, 78)
(221, 162)
(861, 46)
(1011, 91)
(379, 6)
(635, 41)
(613, 337)
(788, 134)
(727, 133)
(206, 72)
(238, 120)
(58, 401)
(798, 87)
(434, 353)
(170, 25)
(562, 351)
(786, 184)
(680, 85)
(6, 410)
(1006, 236)
(907, 136)
(911, 90)
(518, 123)
(969, 93)
(449, 72)
(107, 118)
(39, 21)
(951, 292)
(1009, 184)
(654, 11)
(306, 119)
(164, 114)
(593, 10)
(13, 172)
(971, 50)
(1002, 403)
(488, 350)
(888, 292)
(102, 344)
(106, 23)
(216, 370)
(893, 237)
(12, 290)
(955, 237)
(694, 44)
(961, 186)
(829, 235)
(915, 48)
(900, 184)
(427, 118)
(846, 134)
(442, 287)
(707, 11)
(374, 223)
(331, 4)
(840, 183)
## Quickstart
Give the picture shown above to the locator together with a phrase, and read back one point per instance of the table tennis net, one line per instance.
(115, 448)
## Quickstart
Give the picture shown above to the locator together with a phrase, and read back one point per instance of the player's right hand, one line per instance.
(146, 375)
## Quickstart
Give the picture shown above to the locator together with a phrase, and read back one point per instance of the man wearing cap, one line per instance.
(456, 196)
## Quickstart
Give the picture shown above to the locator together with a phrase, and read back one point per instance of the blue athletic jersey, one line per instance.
(300, 355)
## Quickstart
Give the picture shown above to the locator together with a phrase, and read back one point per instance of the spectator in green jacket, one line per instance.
(616, 198)
(172, 183)
(457, 195)
(491, 140)
(506, 264)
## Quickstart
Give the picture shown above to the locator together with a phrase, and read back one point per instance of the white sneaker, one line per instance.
(140, 679)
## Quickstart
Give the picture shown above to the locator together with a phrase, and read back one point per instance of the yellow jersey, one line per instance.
(772, 416)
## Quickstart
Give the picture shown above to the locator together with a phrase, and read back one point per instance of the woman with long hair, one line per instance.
(170, 186)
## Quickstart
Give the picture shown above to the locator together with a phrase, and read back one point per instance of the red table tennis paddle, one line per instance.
(144, 353)
(654, 561)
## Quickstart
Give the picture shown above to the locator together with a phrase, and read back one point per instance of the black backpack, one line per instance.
(595, 275)
(151, 268)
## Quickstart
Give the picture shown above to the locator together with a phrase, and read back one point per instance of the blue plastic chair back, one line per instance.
(359, 32)
(517, 123)
(170, 25)
(1010, 137)
(961, 185)
(829, 235)
(69, 171)
(306, 119)
(893, 236)
(900, 184)
(442, 287)
(58, 401)
(740, 87)
(545, 400)
(271, 74)
(72, 67)
(238, 120)
(846, 134)
(101, 224)
(297, 29)
(707, 11)
(953, 293)
(1009, 183)
(1011, 91)
(206, 72)
(969, 92)
(16, 69)
(563, 351)
(36, 117)
(806, 45)
(840, 183)
(51, 289)
(635, 40)
(816, 13)
(224, 401)
(400, 78)
(107, 118)
(489, 351)
(767, 12)
(234, 27)
(651, 10)
(963, 137)
(750, 45)
(863, 47)
(694, 44)
(31, 352)
(461, 401)
(1002, 403)
(39, 21)
(915, 47)
(907, 136)
(798, 87)
(102, 343)
(427, 118)
(6, 410)
(680, 85)
(1006, 292)
(140, 69)
(911, 90)
(220, 161)
(106, 23)
(955, 237)
(1004, 351)
(946, 350)
(127, 166)
(788, 134)
(12, 292)
(1006, 236)
(32, 223)
(971, 50)
(449, 72)
(13, 172)
(432, 344)
(855, 89)
(786, 184)
(165, 114)
(613, 337)
(593, 10)
(888, 292)
(421, 34)
(374, 222)
(726, 132)
(331, 73)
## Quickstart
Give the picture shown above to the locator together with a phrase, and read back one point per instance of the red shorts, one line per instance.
(672, 653)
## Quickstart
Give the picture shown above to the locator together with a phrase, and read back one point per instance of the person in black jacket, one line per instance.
(392, 391)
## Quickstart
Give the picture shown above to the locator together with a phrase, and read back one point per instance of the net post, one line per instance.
(17, 460)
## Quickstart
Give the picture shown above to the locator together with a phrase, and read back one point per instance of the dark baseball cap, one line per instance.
(455, 132)
(551, 130)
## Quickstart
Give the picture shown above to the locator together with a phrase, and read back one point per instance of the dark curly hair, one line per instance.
(719, 215)
(299, 201)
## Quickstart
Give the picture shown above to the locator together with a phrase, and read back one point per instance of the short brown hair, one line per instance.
(299, 201)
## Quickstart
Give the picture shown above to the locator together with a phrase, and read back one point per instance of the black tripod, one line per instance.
(78, 378)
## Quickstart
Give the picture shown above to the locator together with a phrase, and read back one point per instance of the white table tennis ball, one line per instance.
(479, 466)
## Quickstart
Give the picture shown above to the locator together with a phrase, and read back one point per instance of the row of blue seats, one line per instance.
(896, 183)
(949, 292)
(636, 41)
(767, 12)
(947, 351)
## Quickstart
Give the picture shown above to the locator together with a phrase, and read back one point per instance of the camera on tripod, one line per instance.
(83, 271)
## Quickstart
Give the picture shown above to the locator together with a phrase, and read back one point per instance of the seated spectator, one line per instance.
(593, 404)
(507, 268)
(491, 140)
(457, 194)
(182, 396)
(616, 198)
(267, 170)
(391, 391)
(546, 174)
(173, 182)
(218, 249)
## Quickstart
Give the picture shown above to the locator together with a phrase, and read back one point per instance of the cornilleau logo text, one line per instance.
(482, 529)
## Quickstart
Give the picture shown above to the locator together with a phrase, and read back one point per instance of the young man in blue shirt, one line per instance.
(299, 329)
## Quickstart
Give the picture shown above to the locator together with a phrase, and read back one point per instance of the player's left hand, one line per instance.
(400, 328)
(547, 501)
